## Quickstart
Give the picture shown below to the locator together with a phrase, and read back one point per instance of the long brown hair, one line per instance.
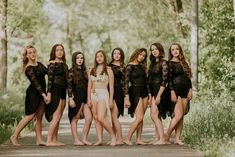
(25, 59)
(76, 76)
(104, 70)
(182, 61)
(122, 64)
(136, 53)
(53, 50)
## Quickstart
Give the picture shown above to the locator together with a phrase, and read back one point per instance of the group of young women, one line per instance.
(102, 92)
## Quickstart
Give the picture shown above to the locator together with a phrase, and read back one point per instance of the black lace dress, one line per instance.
(78, 90)
(179, 82)
(158, 75)
(135, 85)
(57, 85)
(118, 88)
(36, 76)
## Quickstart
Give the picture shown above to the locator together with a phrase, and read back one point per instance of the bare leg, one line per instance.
(116, 124)
(139, 117)
(38, 125)
(22, 124)
(87, 125)
(179, 127)
(74, 131)
(54, 126)
(102, 109)
(175, 120)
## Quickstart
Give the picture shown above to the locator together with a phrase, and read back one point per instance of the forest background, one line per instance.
(205, 29)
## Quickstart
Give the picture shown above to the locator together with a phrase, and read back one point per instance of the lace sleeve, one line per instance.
(164, 74)
(128, 71)
(30, 73)
(70, 82)
(51, 70)
(170, 80)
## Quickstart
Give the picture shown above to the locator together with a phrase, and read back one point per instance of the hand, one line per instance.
(111, 104)
(89, 103)
(48, 98)
(190, 95)
(173, 97)
(157, 100)
(71, 102)
(149, 103)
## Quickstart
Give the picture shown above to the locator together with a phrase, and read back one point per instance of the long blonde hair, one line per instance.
(25, 59)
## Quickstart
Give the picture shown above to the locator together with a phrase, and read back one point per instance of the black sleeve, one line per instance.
(170, 80)
(51, 71)
(30, 73)
(128, 71)
(70, 82)
(164, 74)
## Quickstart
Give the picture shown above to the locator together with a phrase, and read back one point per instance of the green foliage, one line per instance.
(11, 112)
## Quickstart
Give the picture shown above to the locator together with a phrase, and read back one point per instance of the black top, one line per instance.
(177, 76)
(158, 73)
(72, 83)
(57, 74)
(136, 75)
(36, 76)
(118, 75)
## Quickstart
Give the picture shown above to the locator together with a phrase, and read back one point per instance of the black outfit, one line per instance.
(78, 90)
(36, 76)
(158, 75)
(57, 85)
(118, 88)
(136, 76)
(179, 82)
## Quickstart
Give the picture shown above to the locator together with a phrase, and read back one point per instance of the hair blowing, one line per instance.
(25, 58)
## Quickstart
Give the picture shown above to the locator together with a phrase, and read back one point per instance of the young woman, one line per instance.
(157, 79)
(57, 85)
(77, 91)
(136, 96)
(35, 95)
(117, 65)
(181, 90)
(100, 78)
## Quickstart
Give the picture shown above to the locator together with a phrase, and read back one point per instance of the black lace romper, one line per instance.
(57, 85)
(135, 85)
(158, 76)
(36, 76)
(77, 89)
(118, 88)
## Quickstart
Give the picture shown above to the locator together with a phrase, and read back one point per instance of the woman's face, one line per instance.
(140, 58)
(116, 55)
(100, 58)
(155, 52)
(79, 59)
(31, 54)
(59, 52)
(175, 51)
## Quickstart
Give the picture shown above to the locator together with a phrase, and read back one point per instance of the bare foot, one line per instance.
(159, 142)
(179, 142)
(113, 141)
(41, 143)
(98, 143)
(120, 142)
(14, 141)
(128, 142)
(60, 143)
(78, 143)
(53, 144)
(86, 142)
(153, 141)
(167, 138)
(140, 142)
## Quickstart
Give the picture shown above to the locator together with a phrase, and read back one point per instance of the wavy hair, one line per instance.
(104, 70)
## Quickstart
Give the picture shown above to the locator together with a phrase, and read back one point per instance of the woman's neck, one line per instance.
(176, 59)
(32, 62)
(135, 62)
(116, 63)
(58, 60)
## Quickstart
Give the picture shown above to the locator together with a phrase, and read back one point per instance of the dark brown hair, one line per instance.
(136, 53)
(122, 59)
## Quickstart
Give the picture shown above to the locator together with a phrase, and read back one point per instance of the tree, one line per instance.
(3, 43)
(194, 43)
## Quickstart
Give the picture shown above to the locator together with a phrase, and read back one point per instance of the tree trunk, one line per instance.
(69, 34)
(234, 7)
(194, 44)
(3, 44)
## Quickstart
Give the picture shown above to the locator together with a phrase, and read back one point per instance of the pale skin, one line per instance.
(154, 112)
(52, 139)
(74, 121)
(140, 109)
(180, 107)
(31, 55)
(99, 107)
(114, 111)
